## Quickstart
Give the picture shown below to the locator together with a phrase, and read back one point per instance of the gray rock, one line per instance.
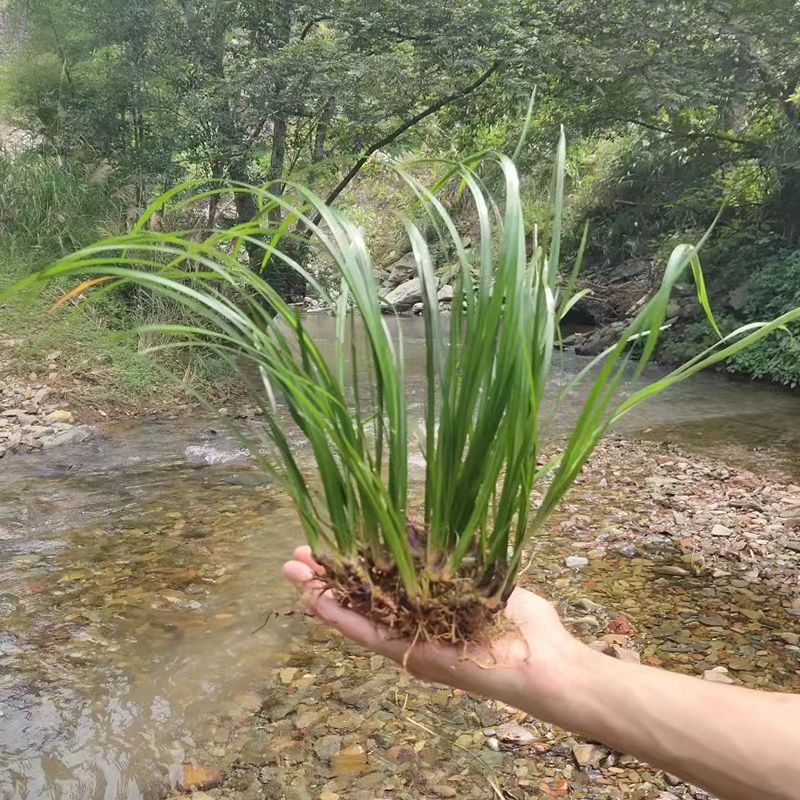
(327, 746)
(588, 755)
(404, 296)
(445, 294)
(718, 675)
(76, 435)
(402, 270)
(513, 734)
(721, 530)
(576, 562)
(417, 308)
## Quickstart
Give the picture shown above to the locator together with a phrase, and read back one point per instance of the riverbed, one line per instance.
(137, 573)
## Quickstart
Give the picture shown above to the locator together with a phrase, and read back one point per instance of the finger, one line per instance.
(303, 577)
(303, 553)
(350, 623)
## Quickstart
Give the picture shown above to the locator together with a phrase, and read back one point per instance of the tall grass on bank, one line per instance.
(50, 206)
(444, 569)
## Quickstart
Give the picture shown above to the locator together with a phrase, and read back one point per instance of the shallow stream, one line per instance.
(136, 573)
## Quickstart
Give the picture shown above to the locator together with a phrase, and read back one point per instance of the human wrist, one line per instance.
(555, 688)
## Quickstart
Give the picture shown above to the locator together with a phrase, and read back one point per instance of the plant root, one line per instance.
(452, 609)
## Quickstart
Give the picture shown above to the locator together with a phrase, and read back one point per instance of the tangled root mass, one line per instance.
(452, 610)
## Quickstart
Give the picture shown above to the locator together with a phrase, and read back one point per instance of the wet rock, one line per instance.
(76, 435)
(350, 760)
(346, 721)
(287, 675)
(327, 746)
(249, 701)
(247, 479)
(417, 308)
(198, 777)
(671, 569)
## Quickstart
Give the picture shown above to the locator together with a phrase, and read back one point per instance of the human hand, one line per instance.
(528, 667)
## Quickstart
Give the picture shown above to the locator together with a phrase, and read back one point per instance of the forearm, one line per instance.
(736, 743)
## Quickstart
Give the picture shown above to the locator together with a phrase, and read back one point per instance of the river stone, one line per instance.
(512, 734)
(576, 562)
(76, 435)
(346, 721)
(327, 746)
(718, 675)
(721, 530)
(59, 416)
(405, 296)
(350, 760)
(445, 294)
(587, 755)
(402, 270)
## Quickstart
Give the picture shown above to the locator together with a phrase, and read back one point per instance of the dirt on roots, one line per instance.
(452, 608)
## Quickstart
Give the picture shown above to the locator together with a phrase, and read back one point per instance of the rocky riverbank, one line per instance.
(33, 416)
(678, 562)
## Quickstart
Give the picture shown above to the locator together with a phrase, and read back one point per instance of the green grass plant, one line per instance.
(442, 569)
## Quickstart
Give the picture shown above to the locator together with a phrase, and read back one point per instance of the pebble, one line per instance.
(721, 530)
(588, 755)
(718, 675)
(59, 416)
(350, 760)
(514, 734)
(327, 746)
(576, 562)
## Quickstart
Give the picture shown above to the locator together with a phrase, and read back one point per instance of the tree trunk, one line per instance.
(790, 204)
(213, 201)
(321, 133)
(278, 274)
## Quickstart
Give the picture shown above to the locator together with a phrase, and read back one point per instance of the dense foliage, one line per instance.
(672, 107)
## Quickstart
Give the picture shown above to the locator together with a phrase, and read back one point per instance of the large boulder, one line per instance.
(595, 342)
(404, 297)
(403, 270)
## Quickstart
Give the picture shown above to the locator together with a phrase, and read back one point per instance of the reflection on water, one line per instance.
(128, 600)
(134, 570)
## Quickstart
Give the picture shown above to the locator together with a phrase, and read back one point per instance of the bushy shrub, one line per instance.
(773, 289)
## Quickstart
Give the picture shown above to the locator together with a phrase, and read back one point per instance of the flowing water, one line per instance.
(136, 574)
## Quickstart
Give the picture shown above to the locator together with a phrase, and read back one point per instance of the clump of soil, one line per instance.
(452, 609)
